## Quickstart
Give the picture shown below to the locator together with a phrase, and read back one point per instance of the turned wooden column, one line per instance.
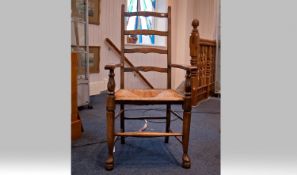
(110, 107)
(187, 106)
(194, 53)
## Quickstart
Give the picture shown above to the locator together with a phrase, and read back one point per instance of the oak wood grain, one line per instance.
(146, 50)
(147, 134)
(145, 69)
(145, 32)
(146, 14)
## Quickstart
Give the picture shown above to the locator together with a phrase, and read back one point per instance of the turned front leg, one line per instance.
(186, 121)
(110, 107)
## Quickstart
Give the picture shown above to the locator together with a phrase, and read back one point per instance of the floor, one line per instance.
(149, 155)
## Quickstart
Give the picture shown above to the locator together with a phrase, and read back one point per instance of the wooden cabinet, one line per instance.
(76, 126)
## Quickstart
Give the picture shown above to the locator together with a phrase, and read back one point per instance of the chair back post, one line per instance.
(122, 84)
(169, 49)
(194, 53)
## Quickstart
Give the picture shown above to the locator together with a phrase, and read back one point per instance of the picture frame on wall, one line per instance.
(94, 12)
(94, 59)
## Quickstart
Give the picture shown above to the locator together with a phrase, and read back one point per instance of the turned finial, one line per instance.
(195, 23)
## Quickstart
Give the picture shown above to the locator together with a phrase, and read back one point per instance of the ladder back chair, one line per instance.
(166, 96)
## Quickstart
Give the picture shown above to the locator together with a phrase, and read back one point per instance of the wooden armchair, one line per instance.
(147, 96)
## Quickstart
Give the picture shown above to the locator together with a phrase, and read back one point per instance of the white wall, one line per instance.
(183, 12)
(207, 13)
(109, 28)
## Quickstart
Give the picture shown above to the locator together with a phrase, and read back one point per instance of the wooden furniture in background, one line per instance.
(202, 54)
(166, 96)
(80, 40)
(76, 126)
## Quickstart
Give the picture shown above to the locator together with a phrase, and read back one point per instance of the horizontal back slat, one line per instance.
(146, 50)
(145, 69)
(145, 32)
(141, 13)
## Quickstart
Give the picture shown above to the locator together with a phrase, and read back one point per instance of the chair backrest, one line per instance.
(146, 49)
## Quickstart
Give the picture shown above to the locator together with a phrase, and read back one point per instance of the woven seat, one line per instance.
(148, 95)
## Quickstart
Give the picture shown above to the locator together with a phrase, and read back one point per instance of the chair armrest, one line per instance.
(185, 67)
(112, 67)
(111, 81)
